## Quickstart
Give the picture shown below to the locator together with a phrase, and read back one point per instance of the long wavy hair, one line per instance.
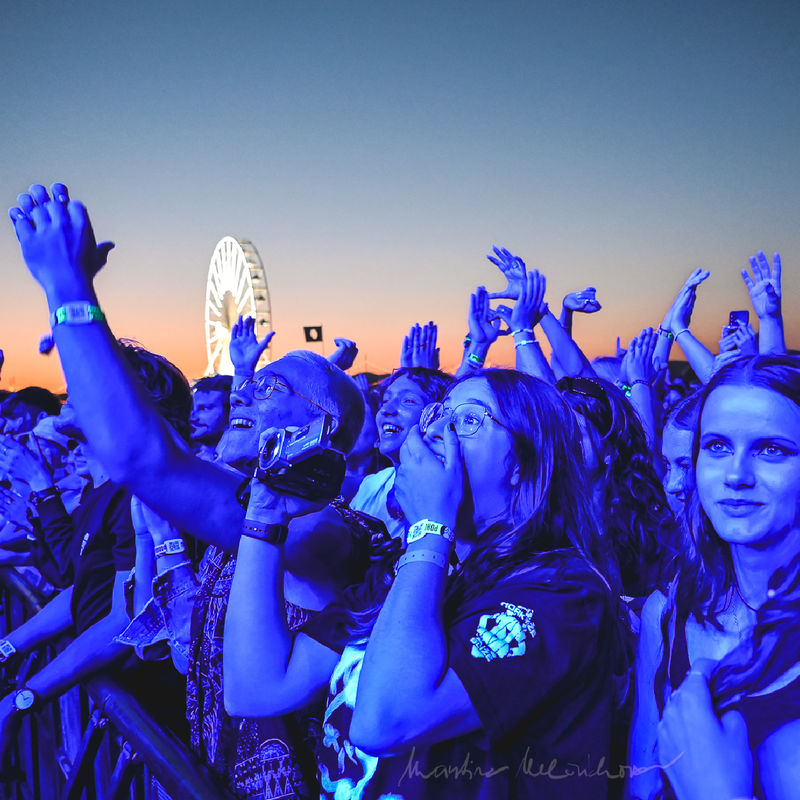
(549, 509)
(706, 580)
(635, 515)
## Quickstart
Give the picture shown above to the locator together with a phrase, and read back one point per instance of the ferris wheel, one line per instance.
(236, 284)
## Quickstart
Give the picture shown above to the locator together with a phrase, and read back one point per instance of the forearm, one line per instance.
(663, 346)
(770, 336)
(565, 320)
(530, 359)
(145, 571)
(569, 356)
(255, 664)
(92, 650)
(406, 657)
(643, 402)
(472, 361)
(52, 620)
(119, 420)
(700, 358)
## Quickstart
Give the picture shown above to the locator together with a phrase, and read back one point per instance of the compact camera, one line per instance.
(302, 463)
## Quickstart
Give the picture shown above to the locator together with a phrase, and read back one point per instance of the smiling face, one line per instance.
(676, 452)
(402, 405)
(748, 466)
(249, 417)
(490, 464)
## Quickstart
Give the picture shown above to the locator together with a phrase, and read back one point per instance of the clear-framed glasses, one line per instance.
(467, 417)
(264, 386)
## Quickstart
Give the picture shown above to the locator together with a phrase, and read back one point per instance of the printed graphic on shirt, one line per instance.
(269, 773)
(84, 542)
(502, 635)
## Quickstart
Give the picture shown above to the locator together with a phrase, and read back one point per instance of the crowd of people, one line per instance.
(569, 579)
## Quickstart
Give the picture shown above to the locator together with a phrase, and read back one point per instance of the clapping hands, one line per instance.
(345, 353)
(419, 347)
(679, 314)
(530, 306)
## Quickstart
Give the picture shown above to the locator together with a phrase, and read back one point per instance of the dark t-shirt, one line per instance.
(536, 654)
(103, 544)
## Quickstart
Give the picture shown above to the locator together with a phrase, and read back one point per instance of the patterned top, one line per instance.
(259, 759)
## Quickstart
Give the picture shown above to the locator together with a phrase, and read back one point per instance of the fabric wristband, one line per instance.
(76, 314)
(170, 547)
(662, 331)
(431, 556)
(42, 495)
(475, 360)
(273, 534)
(6, 650)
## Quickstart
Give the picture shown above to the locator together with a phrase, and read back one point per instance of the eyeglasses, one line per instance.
(264, 386)
(467, 417)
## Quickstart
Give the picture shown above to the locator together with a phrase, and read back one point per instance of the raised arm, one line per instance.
(638, 366)
(245, 349)
(268, 669)
(765, 295)
(120, 421)
(484, 328)
(700, 358)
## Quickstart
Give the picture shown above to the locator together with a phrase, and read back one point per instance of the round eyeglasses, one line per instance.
(264, 386)
(466, 417)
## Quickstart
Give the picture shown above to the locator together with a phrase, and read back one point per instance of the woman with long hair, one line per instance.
(731, 618)
(494, 677)
(629, 496)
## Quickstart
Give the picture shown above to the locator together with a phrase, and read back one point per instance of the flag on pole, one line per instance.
(313, 333)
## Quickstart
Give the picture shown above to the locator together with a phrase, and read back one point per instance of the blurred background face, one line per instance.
(676, 451)
(748, 466)
(209, 417)
(401, 407)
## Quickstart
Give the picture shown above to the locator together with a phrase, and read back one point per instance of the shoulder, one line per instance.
(372, 485)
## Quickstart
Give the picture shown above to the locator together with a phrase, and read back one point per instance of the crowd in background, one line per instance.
(569, 578)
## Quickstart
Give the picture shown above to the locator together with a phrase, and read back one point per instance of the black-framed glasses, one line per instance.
(264, 386)
(467, 417)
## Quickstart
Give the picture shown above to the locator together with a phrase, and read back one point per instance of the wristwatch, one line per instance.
(426, 526)
(25, 699)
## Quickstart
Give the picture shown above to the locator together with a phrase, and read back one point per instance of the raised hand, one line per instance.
(513, 268)
(484, 324)
(637, 363)
(679, 314)
(410, 344)
(530, 306)
(426, 354)
(584, 301)
(765, 285)
(245, 349)
(345, 353)
(742, 340)
(57, 239)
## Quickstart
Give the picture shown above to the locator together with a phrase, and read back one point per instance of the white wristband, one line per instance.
(6, 650)
(171, 547)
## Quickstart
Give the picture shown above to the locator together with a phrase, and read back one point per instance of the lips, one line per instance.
(388, 429)
(735, 507)
(241, 423)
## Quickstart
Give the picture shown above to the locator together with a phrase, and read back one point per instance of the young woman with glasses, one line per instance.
(495, 677)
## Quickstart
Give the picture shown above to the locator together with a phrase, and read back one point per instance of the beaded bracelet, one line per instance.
(517, 345)
(523, 330)
(664, 332)
(641, 381)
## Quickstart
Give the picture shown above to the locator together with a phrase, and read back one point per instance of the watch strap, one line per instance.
(273, 534)
(170, 547)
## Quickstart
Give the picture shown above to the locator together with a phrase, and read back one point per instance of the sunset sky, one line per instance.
(373, 153)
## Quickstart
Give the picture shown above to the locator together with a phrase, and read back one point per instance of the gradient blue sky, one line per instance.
(374, 152)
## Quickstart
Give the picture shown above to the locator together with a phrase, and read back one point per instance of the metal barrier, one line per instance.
(96, 742)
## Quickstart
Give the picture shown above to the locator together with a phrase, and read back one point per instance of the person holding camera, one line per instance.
(198, 497)
(485, 660)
